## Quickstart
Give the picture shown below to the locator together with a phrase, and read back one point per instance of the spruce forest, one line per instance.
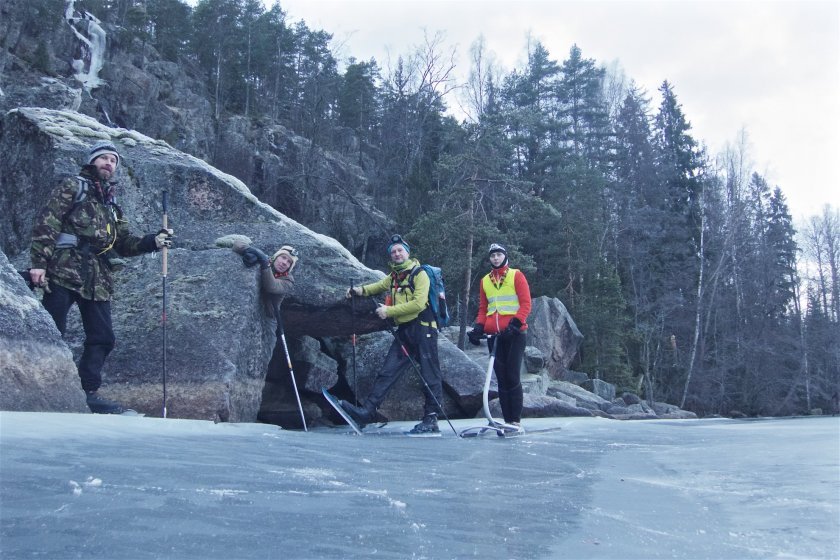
(683, 269)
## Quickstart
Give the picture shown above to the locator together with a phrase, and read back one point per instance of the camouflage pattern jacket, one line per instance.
(99, 227)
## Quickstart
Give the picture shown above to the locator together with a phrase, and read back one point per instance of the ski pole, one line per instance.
(420, 374)
(353, 339)
(282, 337)
(164, 261)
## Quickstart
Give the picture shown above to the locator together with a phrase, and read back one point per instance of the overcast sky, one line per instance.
(770, 68)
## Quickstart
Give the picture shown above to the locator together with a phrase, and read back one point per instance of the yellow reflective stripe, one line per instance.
(506, 305)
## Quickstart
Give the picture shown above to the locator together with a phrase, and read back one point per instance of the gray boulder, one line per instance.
(618, 409)
(37, 372)
(679, 415)
(552, 330)
(601, 388)
(635, 412)
(534, 360)
(576, 377)
(583, 398)
(631, 398)
(672, 411)
(543, 406)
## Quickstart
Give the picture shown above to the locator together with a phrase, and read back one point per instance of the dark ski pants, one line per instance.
(99, 333)
(421, 343)
(510, 351)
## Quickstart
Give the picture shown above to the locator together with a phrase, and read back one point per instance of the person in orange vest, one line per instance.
(504, 306)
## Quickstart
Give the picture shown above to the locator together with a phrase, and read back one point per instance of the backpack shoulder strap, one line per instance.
(82, 190)
(414, 272)
(82, 187)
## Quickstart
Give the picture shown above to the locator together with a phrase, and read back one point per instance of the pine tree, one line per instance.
(169, 25)
(357, 101)
(528, 98)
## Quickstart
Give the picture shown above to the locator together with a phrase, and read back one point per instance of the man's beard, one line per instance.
(104, 175)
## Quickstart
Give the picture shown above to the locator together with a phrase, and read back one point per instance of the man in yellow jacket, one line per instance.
(407, 305)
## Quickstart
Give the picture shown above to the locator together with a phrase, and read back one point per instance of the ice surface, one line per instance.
(92, 486)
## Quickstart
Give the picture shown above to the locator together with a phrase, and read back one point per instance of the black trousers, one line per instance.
(99, 332)
(510, 350)
(421, 343)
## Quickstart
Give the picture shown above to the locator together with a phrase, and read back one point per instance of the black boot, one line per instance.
(100, 405)
(361, 415)
(428, 425)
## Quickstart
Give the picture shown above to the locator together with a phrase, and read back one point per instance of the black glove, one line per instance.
(514, 328)
(252, 256)
(475, 334)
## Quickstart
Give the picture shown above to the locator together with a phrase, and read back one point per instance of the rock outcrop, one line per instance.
(37, 372)
(552, 330)
(219, 343)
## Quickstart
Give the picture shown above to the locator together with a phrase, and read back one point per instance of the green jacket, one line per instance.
(406, 305)
(98, 225)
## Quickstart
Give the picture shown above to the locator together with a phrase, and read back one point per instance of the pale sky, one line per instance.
(770, 68)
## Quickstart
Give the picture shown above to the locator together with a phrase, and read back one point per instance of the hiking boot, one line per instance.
(379, 418)
(428, 425)
(360, 415)
(100, 405)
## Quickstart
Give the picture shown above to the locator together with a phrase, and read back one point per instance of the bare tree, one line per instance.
(822, 254)
(484, 76)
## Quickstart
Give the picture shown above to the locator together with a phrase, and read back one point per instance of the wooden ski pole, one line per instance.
(164, 260)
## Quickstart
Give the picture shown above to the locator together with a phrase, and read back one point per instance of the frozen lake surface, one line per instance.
(113, 487)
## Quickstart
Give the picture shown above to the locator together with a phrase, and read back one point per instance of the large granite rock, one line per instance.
(584, 398)
(601, 388)
(552, 330)
(672, 411)
(36, 366)
(219, 343)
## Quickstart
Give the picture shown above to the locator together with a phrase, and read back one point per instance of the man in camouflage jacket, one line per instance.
(77, 231)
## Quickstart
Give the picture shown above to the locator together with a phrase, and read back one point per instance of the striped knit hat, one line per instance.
(101, 149)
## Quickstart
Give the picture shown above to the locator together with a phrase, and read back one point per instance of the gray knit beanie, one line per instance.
(100, 149)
